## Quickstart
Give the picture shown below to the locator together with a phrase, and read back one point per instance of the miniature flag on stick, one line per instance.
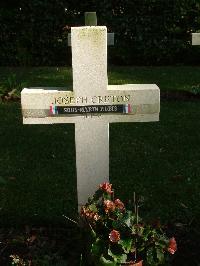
(53, 110)
(127, 108)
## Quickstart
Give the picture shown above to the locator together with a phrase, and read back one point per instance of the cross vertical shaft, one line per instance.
(89, 62)
(92, 164)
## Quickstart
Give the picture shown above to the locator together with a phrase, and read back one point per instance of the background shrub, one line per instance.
(147, 32)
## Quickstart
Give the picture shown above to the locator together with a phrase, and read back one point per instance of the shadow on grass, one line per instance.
(160, 161)
(37, 164)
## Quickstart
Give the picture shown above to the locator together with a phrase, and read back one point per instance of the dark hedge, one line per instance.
(147, 32)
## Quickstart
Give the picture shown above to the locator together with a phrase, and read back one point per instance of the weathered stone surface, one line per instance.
(195, 38)
(144, 101)
(110, 39)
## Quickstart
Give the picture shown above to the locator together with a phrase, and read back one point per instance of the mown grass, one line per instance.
(166, 77)
(37, 169)
(160, 161)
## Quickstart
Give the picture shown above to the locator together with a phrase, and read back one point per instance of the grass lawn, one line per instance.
(158, 160)
(167, 77)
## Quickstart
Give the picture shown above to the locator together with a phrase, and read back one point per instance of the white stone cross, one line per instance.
(92, 105)
(195, 38)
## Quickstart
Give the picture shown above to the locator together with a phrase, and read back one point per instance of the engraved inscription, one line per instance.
(97, 99)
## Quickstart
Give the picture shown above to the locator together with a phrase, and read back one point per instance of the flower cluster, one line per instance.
(172, 246)
(106, 187)
(114, 236)
(110, 206)
(118, 235)
(86, 212)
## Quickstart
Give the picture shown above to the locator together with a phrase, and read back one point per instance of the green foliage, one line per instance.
(146, 32)
(118, 236)
(10, 88)
(196, 89)
(2, 181)
(12, 83)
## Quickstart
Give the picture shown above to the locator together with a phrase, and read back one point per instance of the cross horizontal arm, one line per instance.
(144, 100)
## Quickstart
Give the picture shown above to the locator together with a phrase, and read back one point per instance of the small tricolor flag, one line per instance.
(53, 110)
(127, 108)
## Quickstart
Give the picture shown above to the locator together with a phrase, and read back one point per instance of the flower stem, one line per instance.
(70, 219)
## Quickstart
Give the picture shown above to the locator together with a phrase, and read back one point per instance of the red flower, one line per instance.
(119, 204)
(172, 246)
(106, 187)
(85, 212)
(114, 236)
(109, 206)
(96, 217)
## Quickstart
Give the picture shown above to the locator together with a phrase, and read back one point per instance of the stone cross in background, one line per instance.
(91, 20)
(195, 38)
(92, 105)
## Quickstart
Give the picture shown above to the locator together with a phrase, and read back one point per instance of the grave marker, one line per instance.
(92, 105)
(195, 38)
(90, 19)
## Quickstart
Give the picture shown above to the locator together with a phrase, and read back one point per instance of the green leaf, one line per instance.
(107, 196)
(98, 194)
(92, 207)
(129, 218)
(97, 247)
(160, 255)
(126, 244)
(116, 224)
(119, 258)
(103, 261)
(150, 257)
